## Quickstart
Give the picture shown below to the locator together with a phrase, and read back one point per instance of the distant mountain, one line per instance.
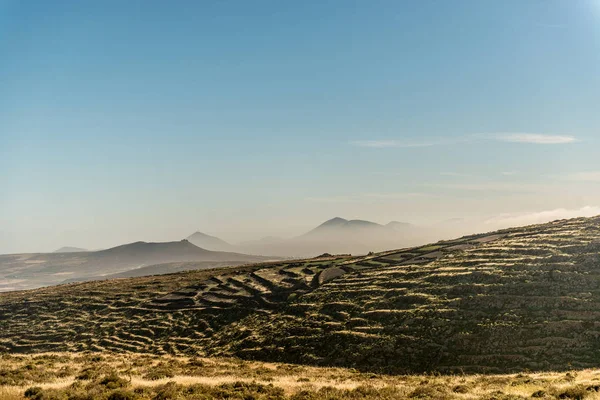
(333, 223)
(24, 271)
(341, 225)
(335, 236)
(340, 236)
(68, 249)
(209, 242)
(156, 253)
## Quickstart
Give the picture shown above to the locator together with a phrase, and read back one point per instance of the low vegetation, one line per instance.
(134, 377)
(503, 302)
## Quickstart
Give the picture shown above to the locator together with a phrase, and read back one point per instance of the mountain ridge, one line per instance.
(336, 235)
(209, 242)
(23, 271)
(511, 300)
(69, 249)
(341, 223)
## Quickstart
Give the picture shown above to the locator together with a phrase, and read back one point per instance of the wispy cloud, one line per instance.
(527, 138)
(587, 176)
(535, 138)
(506, 187)
(521, 219)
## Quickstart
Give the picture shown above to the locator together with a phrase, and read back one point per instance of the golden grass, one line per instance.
(11, 393)
(141, 373)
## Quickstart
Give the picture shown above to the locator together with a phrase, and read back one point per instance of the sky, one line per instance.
(148, 120)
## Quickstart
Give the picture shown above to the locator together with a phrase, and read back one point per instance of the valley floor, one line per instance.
(53, 376)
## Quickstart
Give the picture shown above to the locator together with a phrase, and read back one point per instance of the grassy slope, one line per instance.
(525, 298)
(139, 376)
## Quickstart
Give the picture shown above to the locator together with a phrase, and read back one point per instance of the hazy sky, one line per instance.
(146, 120)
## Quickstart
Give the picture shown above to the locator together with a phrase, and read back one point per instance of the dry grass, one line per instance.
(11, 393)
(138, 376)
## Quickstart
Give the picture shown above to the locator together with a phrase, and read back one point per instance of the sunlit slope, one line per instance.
(524, 298)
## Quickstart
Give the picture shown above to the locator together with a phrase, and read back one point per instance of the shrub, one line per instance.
(429, 391)
(34, 393)
(577, 392)
(50, 394)
(159, 371)
(87, 374)
(113, 381)
(168, 391)
(461, 389)
(196, 362)
(122, 395)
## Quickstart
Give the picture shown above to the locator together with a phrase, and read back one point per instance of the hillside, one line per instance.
(522, 298)
(26, 271)
(209, 242)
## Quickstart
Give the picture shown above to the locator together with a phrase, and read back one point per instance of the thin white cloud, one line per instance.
(587, 176)
(535, 138)
(526, 138)
(494, 187)
(521, 219)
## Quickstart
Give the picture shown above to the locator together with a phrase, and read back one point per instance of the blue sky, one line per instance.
(146, 120)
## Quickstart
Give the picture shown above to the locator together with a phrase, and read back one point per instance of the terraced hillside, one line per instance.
(523, 298)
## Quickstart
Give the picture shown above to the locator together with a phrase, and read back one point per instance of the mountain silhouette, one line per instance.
(25, 271)
(209, 242)
(69, 249)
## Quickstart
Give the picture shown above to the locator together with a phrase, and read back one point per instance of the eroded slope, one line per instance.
(525, 298)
